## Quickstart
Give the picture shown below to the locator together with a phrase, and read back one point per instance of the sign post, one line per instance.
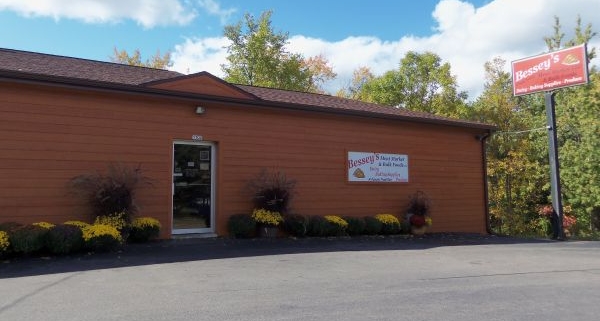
(557, 215)
(547, 72)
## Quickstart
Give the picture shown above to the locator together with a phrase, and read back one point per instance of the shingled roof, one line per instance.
(76, 68)
(103, 73)
(349, 105)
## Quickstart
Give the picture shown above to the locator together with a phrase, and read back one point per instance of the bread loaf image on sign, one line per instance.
(570, 60)
(358, 173)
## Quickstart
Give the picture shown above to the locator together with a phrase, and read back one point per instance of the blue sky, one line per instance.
(349, 33)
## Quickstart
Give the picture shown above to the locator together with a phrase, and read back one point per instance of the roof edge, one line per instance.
(25, 77)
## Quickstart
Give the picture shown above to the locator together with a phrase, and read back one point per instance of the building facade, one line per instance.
(200, 140)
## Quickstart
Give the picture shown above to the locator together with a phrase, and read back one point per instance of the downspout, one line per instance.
(482, 139)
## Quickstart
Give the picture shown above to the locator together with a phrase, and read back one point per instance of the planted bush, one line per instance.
(110, 192)
(143, 229)
(389, 223)
(28, 239)
(356, 225)
(272, 191)
(4, 243)
(9, 227)
(317, 226)
(45, 225)
(329, 225)
(296, 225)
(101, 238)
(336, 225)
(241, 226)
(79, 224)
(116, 220)
(64, 239)
(372, 225)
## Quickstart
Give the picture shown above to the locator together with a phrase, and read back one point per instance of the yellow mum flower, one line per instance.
(116, 220)
(4, 242)
(98, 230)
(145, 222)
(387, 219)
(79, 224)
(45, 225)
(267, 217)
(336, 220)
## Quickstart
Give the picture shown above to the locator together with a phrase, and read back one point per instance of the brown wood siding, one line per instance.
(49, 135)
(201, 85)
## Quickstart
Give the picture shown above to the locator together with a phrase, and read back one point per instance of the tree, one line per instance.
(257, 57)
(516, 181)
(518, 170)
(582, 35)
(578, 129)
(320, 73)
(360, 77)
(157, 61)
(422, 82)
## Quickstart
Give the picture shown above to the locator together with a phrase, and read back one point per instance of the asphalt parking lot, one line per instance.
(441, 277)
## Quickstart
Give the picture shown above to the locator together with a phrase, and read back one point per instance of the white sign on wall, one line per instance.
(377, 167)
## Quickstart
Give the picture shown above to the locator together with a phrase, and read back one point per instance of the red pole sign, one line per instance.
(562, 68)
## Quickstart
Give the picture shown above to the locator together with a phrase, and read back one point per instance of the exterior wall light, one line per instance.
(200, 110)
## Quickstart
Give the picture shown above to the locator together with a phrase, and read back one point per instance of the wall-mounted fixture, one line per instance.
(200, 110)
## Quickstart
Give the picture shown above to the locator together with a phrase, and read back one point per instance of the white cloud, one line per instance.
(147, 13)
(214, 8)
(465, 36)
(203, 54)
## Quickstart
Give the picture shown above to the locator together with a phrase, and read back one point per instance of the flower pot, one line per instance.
(414, 230)
(268, 231)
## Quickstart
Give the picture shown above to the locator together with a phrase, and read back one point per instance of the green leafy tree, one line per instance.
(578, 114)
(578, 129)
(157, 61)
(518, 171)
(514, 174)
(360, 77)
(582, 35)
(422, 82)
(257, 57)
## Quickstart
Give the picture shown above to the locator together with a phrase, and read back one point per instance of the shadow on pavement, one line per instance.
(183, 250)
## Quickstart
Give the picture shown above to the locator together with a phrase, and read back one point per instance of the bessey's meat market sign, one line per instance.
(377, 167)
(563, 68)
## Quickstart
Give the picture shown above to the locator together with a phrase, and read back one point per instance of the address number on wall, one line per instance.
(197, 137)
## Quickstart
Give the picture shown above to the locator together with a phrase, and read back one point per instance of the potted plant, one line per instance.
(272, 191)
(419, 224)
(267, 221)
(417, 213)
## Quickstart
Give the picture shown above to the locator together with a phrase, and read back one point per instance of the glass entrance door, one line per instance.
(193, 186)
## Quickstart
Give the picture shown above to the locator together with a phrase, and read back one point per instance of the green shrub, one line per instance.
(10, 226)
(45, 225)
(372, 225)
(101, 238)
(143, 229)
(28, 239)
(296, 225)
(317, 226)
(241, 226)
(64, 239)
(329, 225)
(356, 225)
(389, 223)
(337, 225)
